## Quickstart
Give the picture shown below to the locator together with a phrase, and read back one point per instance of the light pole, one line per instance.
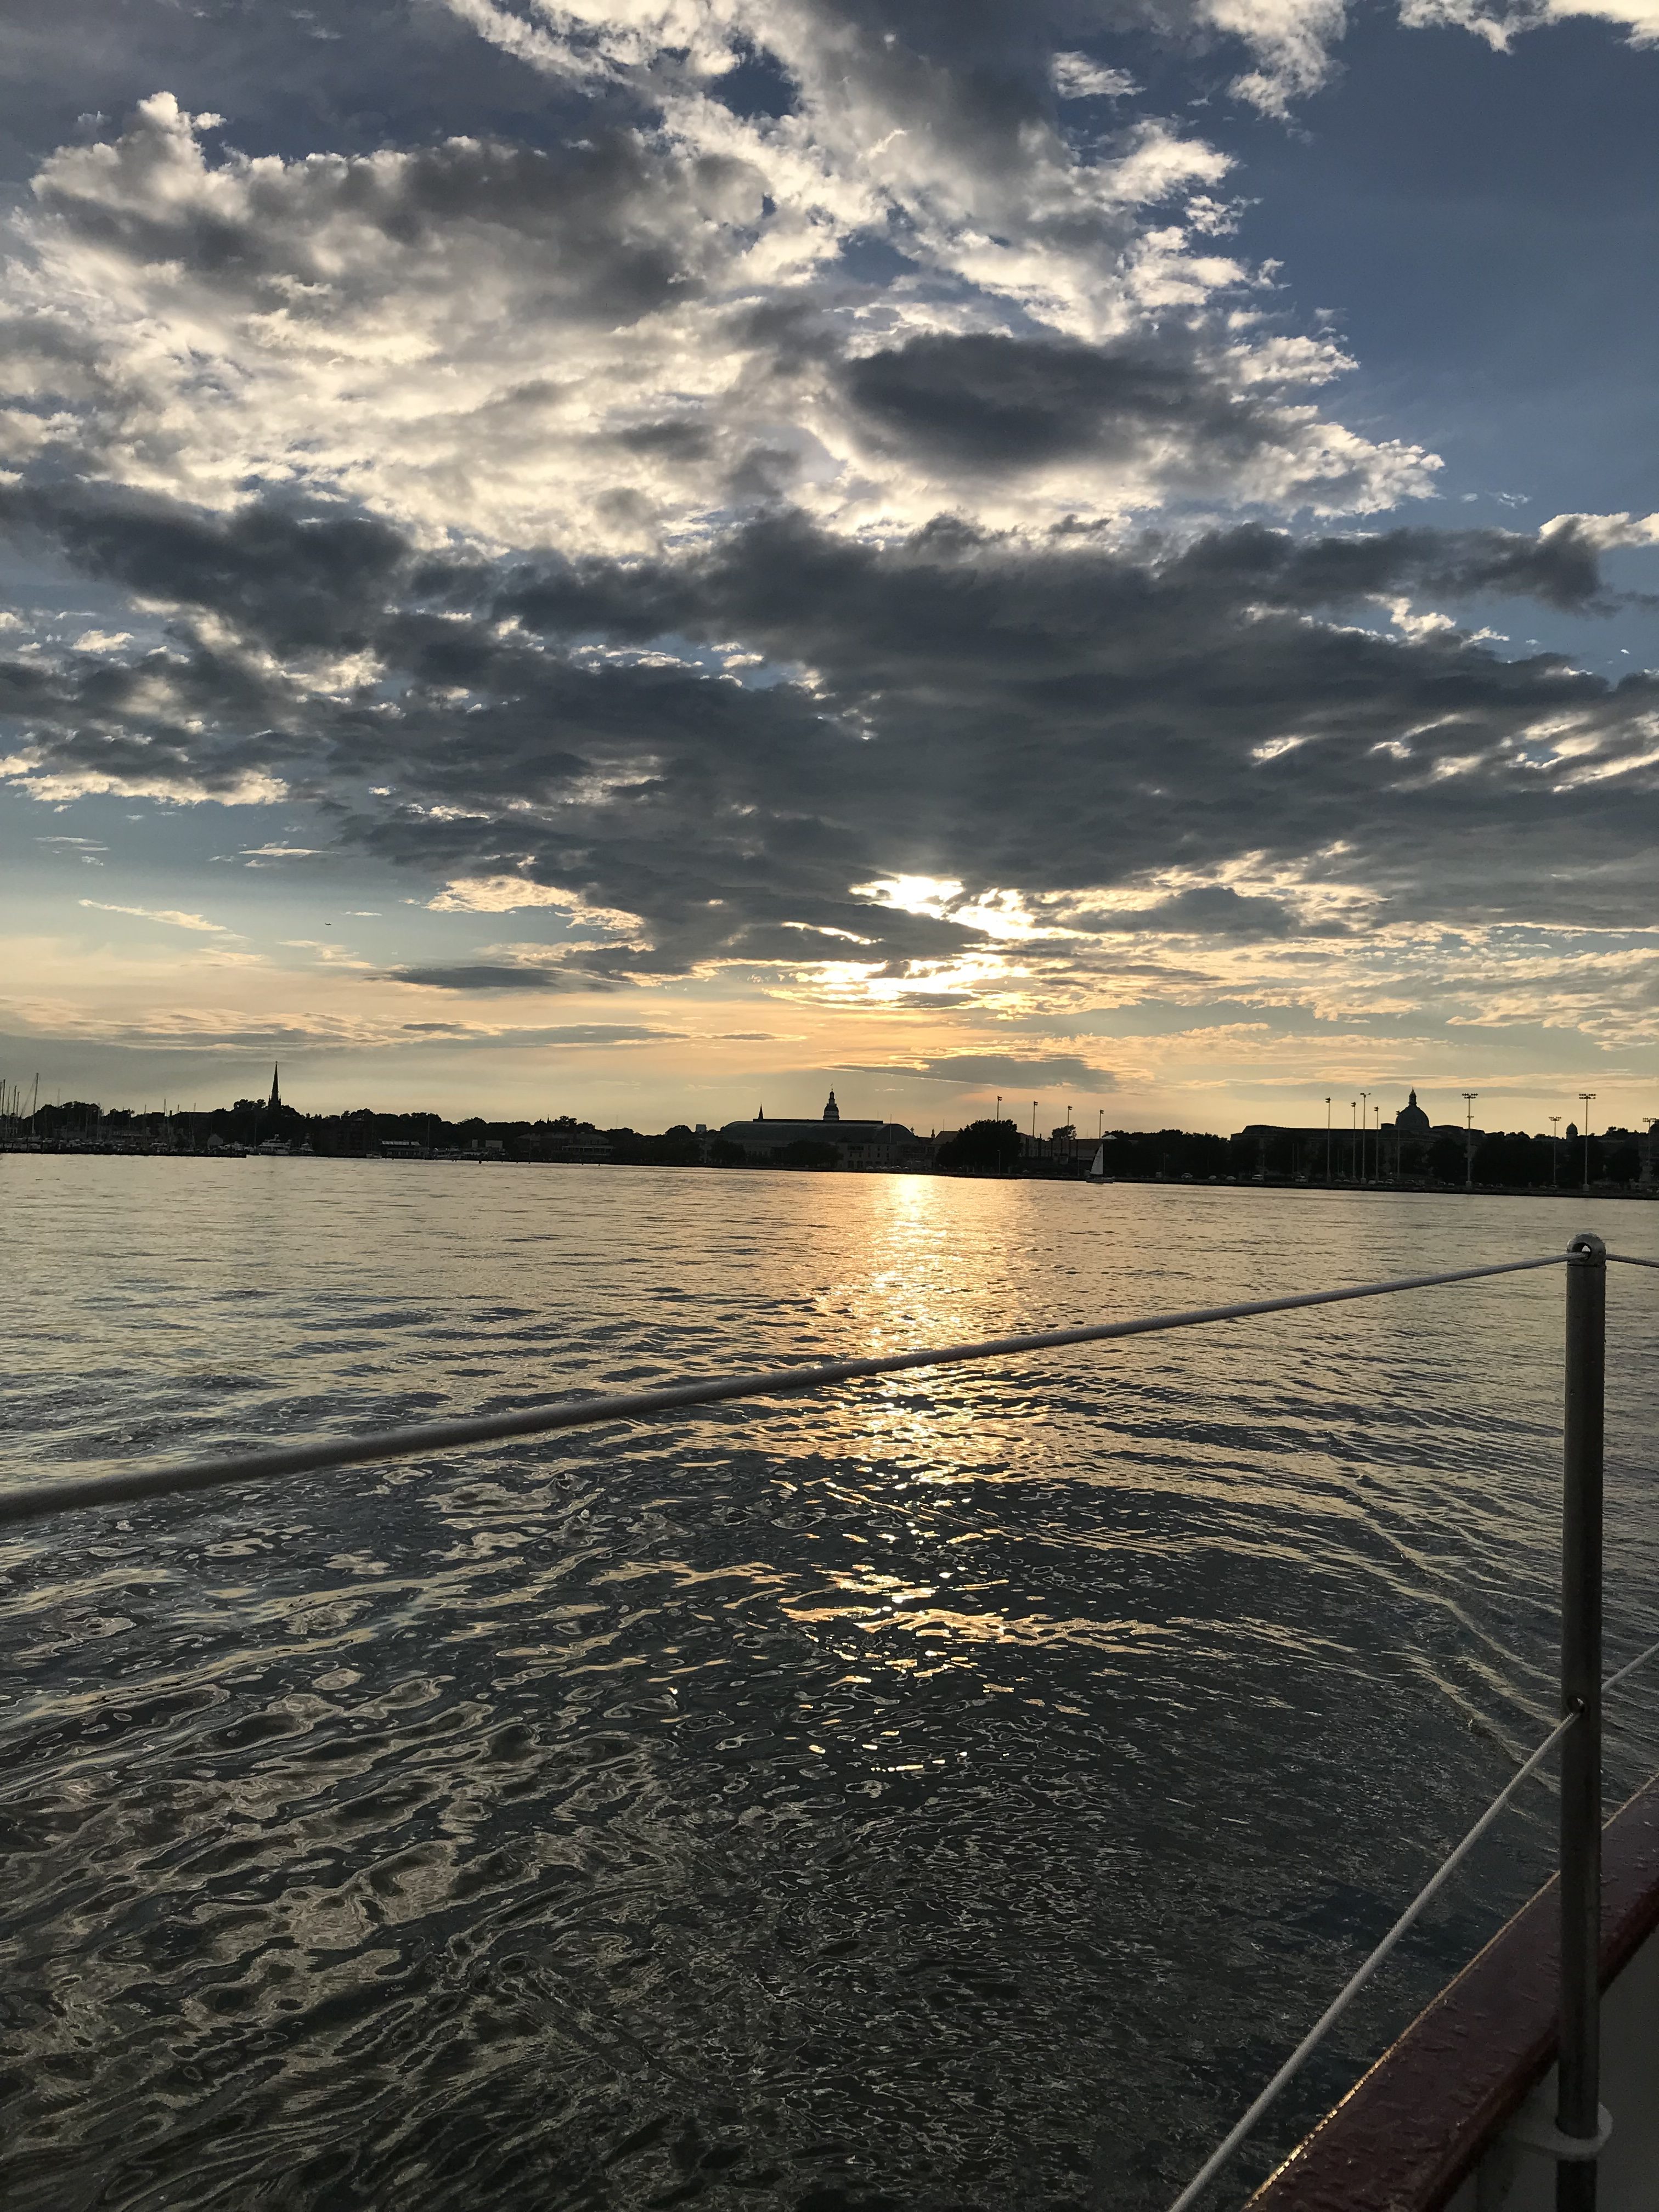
(1327, 1137)
(1469, 1098)
(1586, 1098)
(1555, 1144)
(1353, 1141)
(1376, 1144)
(1365, 1117)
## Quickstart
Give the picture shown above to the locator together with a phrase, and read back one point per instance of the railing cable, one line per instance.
(1330, 2019)
(1630, 1260)
(31, 1501)
(1630, 1668)
(1334, 2011)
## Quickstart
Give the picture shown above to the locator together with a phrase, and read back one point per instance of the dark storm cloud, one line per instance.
(979, 710)
(1562, 570)
(300, 581)
(989, 403)
(1209, 910)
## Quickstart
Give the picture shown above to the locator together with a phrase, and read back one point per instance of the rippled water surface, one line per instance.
(955, 1791)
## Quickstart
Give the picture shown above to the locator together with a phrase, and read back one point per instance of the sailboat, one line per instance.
(1097, 1167)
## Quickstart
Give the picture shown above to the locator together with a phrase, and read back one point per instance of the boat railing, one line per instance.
(1581, 2123)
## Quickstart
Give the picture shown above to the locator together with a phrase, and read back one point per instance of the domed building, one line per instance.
(1347, 1154)
(1411, 1121)
(855, 1144)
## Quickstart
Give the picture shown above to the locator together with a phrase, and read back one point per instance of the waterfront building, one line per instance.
(1411, 1121)
(1383, 1151)
(855, 1144)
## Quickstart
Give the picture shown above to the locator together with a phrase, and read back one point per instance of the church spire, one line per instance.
(275, 1089)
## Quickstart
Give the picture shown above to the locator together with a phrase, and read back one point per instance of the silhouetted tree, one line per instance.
(982, 1148)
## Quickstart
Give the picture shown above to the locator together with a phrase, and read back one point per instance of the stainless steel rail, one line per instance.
(1578, 2117)
(1579, 2101)
(33, 1501)
(1350, 1989)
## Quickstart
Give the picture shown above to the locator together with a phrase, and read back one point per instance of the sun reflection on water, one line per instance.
(814, 1801)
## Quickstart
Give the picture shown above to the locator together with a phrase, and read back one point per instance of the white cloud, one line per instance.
(511, 894)
(1077, 77)
(630, 339)
(1607, 533)
(168, 914)
(1500, 24)
(58, 786)
(1292, 40)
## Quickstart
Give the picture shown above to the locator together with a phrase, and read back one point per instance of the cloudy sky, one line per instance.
(640, 557)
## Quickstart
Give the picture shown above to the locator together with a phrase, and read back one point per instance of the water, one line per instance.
(955, 1791)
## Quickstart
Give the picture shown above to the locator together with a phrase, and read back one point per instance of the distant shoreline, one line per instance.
(1287, 1184)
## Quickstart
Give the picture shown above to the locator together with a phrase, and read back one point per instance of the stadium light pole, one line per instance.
(1327, 1137)
(1555, 1145)
(1469, 1098)
(1365, 1117)
(1586, 1099)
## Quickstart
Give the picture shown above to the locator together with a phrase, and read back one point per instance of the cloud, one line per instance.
(1292, 41)
(1192, 740)
(1205, 910)
(487, 976)
(1500, 24)
(573, 1033)
(1018, 1072)
(676, 510)
(609, 1033)
(513, 894)
(173, 919)
(1077, 77)
(596, 343)
(1164, 413)
(1602, 533)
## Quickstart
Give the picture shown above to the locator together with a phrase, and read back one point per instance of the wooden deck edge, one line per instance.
(1408, 2134)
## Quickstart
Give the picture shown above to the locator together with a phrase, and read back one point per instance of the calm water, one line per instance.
(958, 1791)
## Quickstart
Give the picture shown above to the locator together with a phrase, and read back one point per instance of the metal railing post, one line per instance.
(1578, 2105)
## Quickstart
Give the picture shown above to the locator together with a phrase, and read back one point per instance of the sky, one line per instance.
(645, 558)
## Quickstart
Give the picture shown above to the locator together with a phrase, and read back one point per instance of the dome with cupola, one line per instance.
(1411, 1121)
